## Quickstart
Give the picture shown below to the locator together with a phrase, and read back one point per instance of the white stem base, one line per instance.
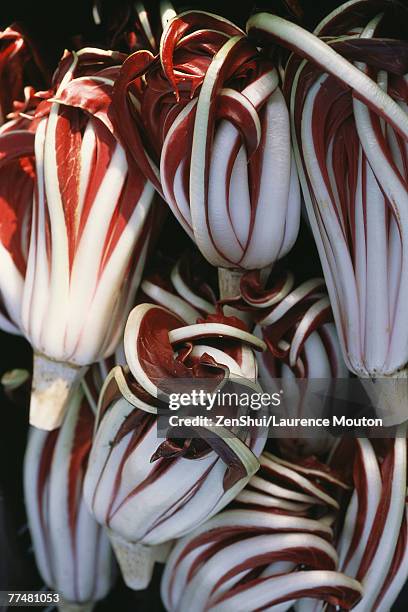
(53, 383)
(389, 398)
(136, 561)
(229, 281)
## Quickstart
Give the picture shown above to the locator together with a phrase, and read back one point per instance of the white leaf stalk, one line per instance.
(89, 232)
(146, 489)
(187, 289)
(184, 288)
(17, 188)
(296, 324)
(71, 550)
(220, 154)
(265, 553)
(350, 133)
(372, 543)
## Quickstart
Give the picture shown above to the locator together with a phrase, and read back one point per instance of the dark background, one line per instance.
(55, 26)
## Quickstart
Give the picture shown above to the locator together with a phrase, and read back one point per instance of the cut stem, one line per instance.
(229, 282)
(389, 397)
(136, 561)
(52, 386)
